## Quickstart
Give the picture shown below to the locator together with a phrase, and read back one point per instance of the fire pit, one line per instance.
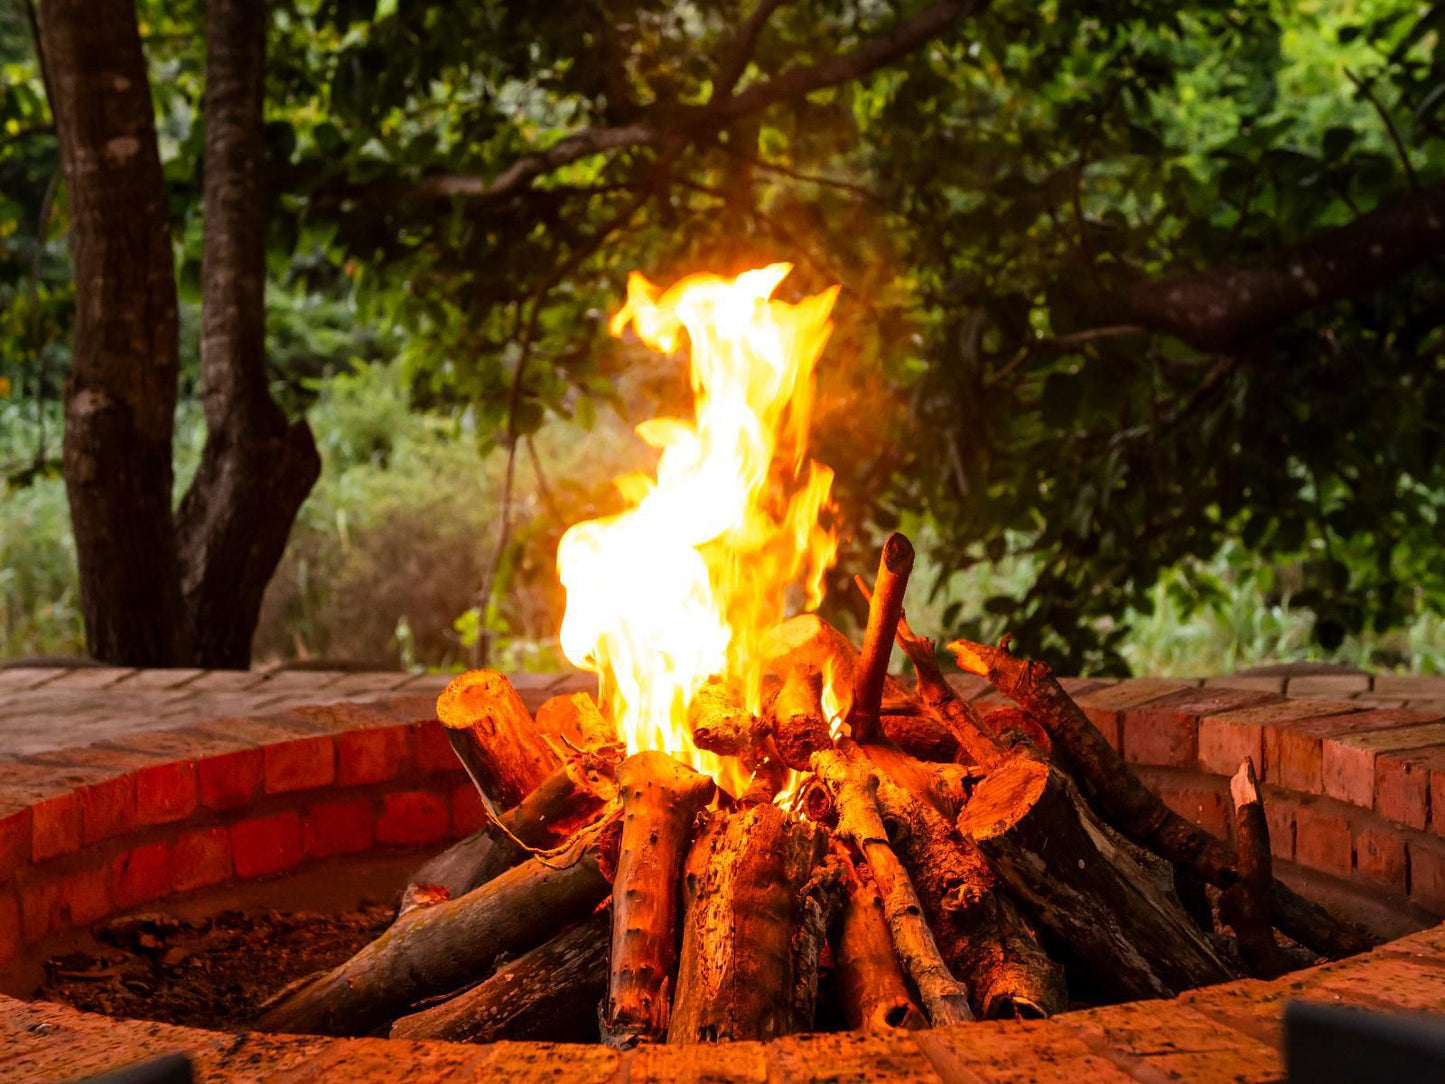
(753, 832)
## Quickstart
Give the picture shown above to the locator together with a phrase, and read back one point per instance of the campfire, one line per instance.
(754, 810)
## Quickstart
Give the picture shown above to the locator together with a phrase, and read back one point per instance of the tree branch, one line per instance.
(1217, 309)
(735, 60)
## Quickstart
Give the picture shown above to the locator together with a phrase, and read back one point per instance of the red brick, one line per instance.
(411, 818)
(107, 808)
(142, 875)
(229, 780)
(75, 900)
(1322, 840)
(55, 826)
(1279, 812)
(1380, 857)
(1348, 761)
(1226, 738)
(52, 792)
(266, 844)
(164, 788)
(467, 813)
(10, 939)
(1402, 786)
(1165, 731)
(200, 859)
(338, 828)
(1206, 807)
(299, 765)
(87, 896)
(1105, 706)
(431, 749)
(370, 756)
(14, 840)
(1294, 753)
(1427, 874)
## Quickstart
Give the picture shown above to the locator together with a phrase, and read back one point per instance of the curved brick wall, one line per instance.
(118, 825)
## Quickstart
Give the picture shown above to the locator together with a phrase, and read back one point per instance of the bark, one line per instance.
(1245, 905)
(980, 933)
(549, 994)
(846, 772)
(720, 724)
(570, 798)
(872, 986)
(660, 799)
(1132, 808)
(1136, 942)
(256, 468)
(495, 737)
(800, 727)
(120, 396)
(438, 949)
(755, 915)
(885, 607)
(573, 722)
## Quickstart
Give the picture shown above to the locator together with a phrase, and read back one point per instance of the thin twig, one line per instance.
(1062, 344)
(1367, 91)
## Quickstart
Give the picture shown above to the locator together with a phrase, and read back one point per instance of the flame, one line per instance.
(682, 585)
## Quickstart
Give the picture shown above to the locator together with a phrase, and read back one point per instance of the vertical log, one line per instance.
(753, 926)
(872, 986)
(884, 609)
(660, 799)
(1245, 904)
(494, 737)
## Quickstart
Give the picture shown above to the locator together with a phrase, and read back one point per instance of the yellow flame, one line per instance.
(681, 586)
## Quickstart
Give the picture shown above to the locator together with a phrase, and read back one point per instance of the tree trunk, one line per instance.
(256, 468)
(120, 397)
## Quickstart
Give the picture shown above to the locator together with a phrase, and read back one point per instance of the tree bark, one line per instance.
(746, 973)
(872, 987)
(256, 468)
(1245, 904)
(547, 995)
(494, 737)
(120, 396)
(1098, 903)
(885, 607)
(441, 948)
(660, 799)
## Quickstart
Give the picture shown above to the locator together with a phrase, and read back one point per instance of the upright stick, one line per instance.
(884, 608)
(1245, 905)
(660, 798)
(494, 737)
(872, 986)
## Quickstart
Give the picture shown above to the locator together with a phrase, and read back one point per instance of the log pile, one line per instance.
(895, 862)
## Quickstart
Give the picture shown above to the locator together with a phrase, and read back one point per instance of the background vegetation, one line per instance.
(1117, 494)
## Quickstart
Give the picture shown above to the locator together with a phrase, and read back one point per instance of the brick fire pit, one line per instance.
(1355, 793)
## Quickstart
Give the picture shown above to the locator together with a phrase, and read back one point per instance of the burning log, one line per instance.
(1035, 831)
(979, 931)
(434, 950)
(757, 901)
(495, 738)
(720, 724)
(846, 772)
(800, 726)
(660, 799)
(1245, 904)
(872, 986)
(574, 795)
(1133, 808)
(549, 994)
(574, 722)
(885, 607)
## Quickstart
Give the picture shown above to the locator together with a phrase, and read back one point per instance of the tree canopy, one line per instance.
(1122, 279)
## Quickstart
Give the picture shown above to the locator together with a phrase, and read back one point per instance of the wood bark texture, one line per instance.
(1101, 907)
(660, 800)
(885, 607)
(1132, 808)
(1245, 904)
(496, 739)
(871, 984)
(574, 722)
(745, 953)
(549, 994)
(719, 722)
(438, 949)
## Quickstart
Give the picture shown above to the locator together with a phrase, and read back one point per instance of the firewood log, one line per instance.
(494, 737)
(872, 987)
(549, 994)
(1041, 839)
(799, 725)
(660, 799)
(885, 606)
(572, 796)
(1133, 808)
(846, 772)
(719, 722)
(574, 722)
(1245, 904)
(437, 949)
(755, 916)
(929, 782)
(980, 933)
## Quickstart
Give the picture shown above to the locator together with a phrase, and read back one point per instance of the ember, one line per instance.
(754, 804)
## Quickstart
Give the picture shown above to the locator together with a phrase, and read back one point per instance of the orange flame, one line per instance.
(681, 586)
